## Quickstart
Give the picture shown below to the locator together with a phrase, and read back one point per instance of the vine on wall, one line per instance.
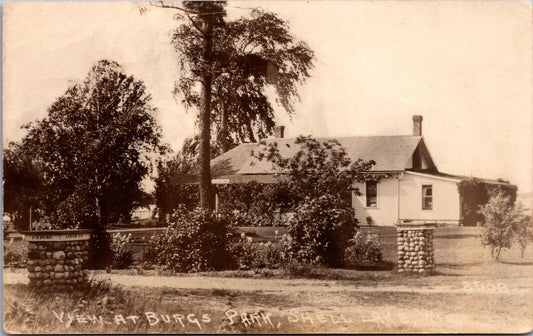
(475, 193)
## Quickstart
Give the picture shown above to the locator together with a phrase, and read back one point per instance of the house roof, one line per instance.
(455, 178)
(391, 153)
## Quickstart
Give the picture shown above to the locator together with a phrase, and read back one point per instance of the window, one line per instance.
(427, 197)
(371, 194)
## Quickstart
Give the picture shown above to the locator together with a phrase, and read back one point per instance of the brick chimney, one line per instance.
(417, 125)
(279, 131)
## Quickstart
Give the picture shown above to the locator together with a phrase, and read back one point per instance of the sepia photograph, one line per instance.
(267, 167)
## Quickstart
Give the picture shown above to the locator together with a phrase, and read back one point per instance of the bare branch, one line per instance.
(195, 25)
(162, 4)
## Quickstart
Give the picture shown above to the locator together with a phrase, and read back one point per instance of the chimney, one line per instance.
(417, 125)
(279, 131)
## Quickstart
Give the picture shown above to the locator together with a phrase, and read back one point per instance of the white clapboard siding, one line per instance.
(386, 212)
(446, 203)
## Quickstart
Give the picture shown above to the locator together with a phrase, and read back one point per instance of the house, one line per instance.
(403, 186)
(143, 212)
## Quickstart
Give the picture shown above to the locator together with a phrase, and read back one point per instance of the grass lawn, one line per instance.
(469, 293)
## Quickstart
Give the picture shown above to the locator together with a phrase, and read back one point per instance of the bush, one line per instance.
(248, 255)
(15, 254)
(319, 230)
(363, 249)
(260, 210)
(194, 241)
(502, 222)
(122, 254)
(524, 234)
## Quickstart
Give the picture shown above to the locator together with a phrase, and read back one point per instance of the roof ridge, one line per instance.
(334, 137)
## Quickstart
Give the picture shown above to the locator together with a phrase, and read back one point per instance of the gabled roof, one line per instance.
(391, 153)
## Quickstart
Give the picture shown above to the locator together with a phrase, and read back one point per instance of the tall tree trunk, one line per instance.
(224, 141)
(205, 117)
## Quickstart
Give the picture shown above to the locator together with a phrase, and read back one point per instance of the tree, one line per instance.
(197, 62)
(23, 185)
(524, 231)
(319, 175)
(249, 55)
(169, 194)
(503, 222)
(317, 168)
(95, 146)
(231, 62)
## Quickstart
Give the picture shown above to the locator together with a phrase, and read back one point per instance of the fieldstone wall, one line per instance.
(58, 264)
(415, 250)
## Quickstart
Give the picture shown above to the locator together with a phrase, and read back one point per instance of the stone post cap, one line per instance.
(57, 235)
(415, 225)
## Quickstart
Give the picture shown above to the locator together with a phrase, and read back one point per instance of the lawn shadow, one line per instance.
(462, 266)
(525, 263)
(457, 236)
(382, 266)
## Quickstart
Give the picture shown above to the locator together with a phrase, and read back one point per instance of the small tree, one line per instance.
(319, 175)
(502, 222)
(524, 232)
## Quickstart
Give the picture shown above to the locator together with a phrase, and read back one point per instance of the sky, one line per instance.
(466, 67)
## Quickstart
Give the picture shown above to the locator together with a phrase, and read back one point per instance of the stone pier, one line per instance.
(57, 259)
(415, 248)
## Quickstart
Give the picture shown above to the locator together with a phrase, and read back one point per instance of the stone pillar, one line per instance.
(415, 248)
(57, 259)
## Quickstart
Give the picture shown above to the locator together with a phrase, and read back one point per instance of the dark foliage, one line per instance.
(95, 146)
(319, 231)
(194, 241)
(249, 54)
(475, 193)
(318, 177)
(23, 185)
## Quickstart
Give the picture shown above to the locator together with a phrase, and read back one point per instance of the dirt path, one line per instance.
(270, 285)
(306, 305)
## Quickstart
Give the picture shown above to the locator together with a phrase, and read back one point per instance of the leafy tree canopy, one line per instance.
(23, 185)
(95, 146)
(318, 168)
(504, 223)
(250, 54)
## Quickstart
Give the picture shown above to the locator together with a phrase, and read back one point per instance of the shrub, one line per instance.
(363, 249)
(150, 250)
(260, 210)
(502, 222)
(15, 254)
(244, 253)
(319, 230)
(248, 254)
(194, 241)
(524, 234)
(122, 254)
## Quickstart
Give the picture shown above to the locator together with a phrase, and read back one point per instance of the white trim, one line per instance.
(449, 179)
